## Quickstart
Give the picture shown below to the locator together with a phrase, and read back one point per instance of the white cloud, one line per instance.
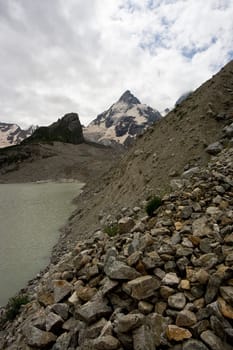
(60, 56)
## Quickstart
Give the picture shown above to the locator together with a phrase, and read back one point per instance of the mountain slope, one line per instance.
(12, 134)
(122, 122)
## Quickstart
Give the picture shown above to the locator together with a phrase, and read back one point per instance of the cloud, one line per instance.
(59, 56)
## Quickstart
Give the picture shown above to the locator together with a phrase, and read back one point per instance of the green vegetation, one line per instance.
(14, 305)
(111, 230)
(152, 205)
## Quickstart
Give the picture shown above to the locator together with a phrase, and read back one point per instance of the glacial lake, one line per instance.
(30, 217)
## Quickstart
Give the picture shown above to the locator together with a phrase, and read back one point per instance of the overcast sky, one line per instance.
(60, 56)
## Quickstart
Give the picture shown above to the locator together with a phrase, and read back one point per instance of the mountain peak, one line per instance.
(129, 98)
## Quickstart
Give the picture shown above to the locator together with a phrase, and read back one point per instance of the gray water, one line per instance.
(30, 217)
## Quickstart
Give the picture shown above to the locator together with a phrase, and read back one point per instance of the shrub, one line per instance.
(152, 205)
(111, 230)
(14, 305)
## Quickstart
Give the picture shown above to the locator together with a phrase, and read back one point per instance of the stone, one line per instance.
(53, 322)
(38, 338)
(61, 309)
(177, 301)
(190, 172)
(214, 342)
(86, 293)
(94, 309)
(212, 288)
(91, 332)
(186, 318)
(125, 224)
(227, 294)
(214, 148)
(144, 307)
(202, 276)
(171, 279)
(177, 333)
(62, 342)
(158, 325)
(184, 284)
(143, 338)
(142, 287)
(201, 227)
(108, 285)
(207, 261)
(193, 344)
(118, 270)
(128, 322)
(61, 289)
(226, 309)
(107, 342)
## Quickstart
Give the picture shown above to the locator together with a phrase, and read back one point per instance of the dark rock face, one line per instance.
(67, 129)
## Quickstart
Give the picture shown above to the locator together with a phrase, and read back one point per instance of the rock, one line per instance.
(190, 172)
(227, 294)
(107, 342)
(53, 322)
(62, 342)
(93, 309)
(201, 227)
(61, 289)
(125, 224)
(145, 307)
(186, 318)
(226, 309)
(171, 279)
(214, 342)
(61, 310)
(193, 344)
(212, 288)
(128, 322)
(116, 269)
(38, 338)
(86, 293)
(143, 338)
(177, 301)
(214, 148)
(177, 333)
(207, 261)
(91, 332)
(142, 287)
(158, 325)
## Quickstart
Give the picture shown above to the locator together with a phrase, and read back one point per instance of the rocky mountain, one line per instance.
(122, 122)
(12, 134)
(183, 97)
(67, 129)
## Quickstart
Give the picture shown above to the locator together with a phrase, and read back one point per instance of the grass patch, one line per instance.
(111, 230)
(152, 205)
(14, 305)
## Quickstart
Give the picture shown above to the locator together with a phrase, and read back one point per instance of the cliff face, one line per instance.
(68, 129)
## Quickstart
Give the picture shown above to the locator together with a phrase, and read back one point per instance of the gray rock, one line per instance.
(53, 322)
(128, 322)
(61, 309)
(214, 342)
(92, 331)
(201, 227)
(171, 279)
(207, 261)
(107, 342)
(186, 318)
(116, 269)
(193, 344)
(212, 288)
(214, 148)
(177, 301)
(62, 342)
(143, 338)
(93, 309)
(38, 338)
(142, 287)
(190, 172)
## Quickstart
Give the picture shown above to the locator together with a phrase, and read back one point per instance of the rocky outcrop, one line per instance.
(68, 129)
(122, 122)
(164, 282)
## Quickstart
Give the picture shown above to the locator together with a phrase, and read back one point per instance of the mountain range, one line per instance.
(12, 134)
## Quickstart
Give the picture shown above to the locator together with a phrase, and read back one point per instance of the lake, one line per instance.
(30, 217)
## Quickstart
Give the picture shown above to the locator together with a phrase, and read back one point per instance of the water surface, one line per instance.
(30, 217)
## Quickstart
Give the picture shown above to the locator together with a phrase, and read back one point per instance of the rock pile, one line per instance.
(164, 282)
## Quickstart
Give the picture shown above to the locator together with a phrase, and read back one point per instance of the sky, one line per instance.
(61, 56)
